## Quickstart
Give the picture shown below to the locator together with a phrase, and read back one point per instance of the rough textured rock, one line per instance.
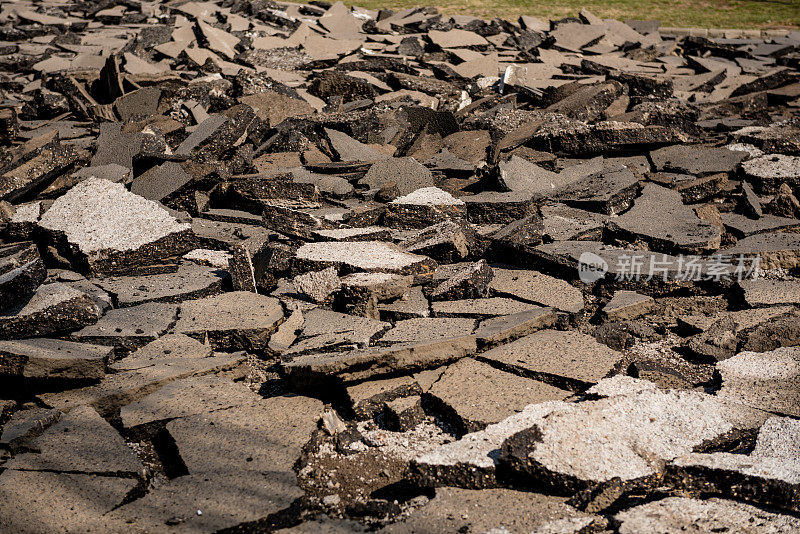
(22, 272)
(494, 510)
(233, 321)
(290, 267)
(673, 514)
(367, 363)
(769, 475)
(79, 442)
(190, 281)
(67, 501)
(659, 218)
(369, 256)
(53, 359)
(770, 292)
(627, 437)
(764, 380)
(474, 394)
(568, 360)
(471, 461)
(130, 328)
(537, 287)
(627, 305)
(54, 308)
(109, 230)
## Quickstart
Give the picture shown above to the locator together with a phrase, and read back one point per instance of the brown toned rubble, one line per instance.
(272, 267)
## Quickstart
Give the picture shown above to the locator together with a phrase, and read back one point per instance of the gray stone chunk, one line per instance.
(743, 226)
(659, 218)
(404, 413)
(369, 233)
(492, 511)
(53, 359)
(286, 333)
(25, 424)
(491, 207)
(750, 203)
(34, 170)
(611, 192)
(569, 360)
(412, 304)
(456, 38)
(371, 362)
(223, 500)
(608, 137)
(536, 287)
(49, 502)
(428, 329)
(756, 329)
(692, 188)
(321, 321)
(405, 173)
(470, 281)
(122, 388)
(190, 281)
(447, 242)
(239, 320)
(471, 461)
(422, 208)
(675, 515)
(385, 286)
(117, 145)
(563, 223)
(368, 398)
(130, 328)
(111, 172)
(318, 286)
(696, 159)
(503, 328)
(54, 308)
(348, 149)
(588, 102)
(334, 186)
(185, 397)
(520, 175)
(620, 385)
(627, 305)
(221, 235)
(769, 475)
(112, 230)
(81, 441)
(369, 256)
(488, 307)
(765, 380)
(138, 104)
(168, 348)
(625, 436)
(203, 132)
(616, 262)
(240, 267)
(233, 439)
(775, 251)
(473, 394)
(763, 292)
(768, 172)
(21, 272)
(161, 181)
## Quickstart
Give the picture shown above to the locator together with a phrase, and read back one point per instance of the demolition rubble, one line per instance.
(270, 267)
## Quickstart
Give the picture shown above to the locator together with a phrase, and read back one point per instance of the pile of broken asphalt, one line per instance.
(306, 268)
